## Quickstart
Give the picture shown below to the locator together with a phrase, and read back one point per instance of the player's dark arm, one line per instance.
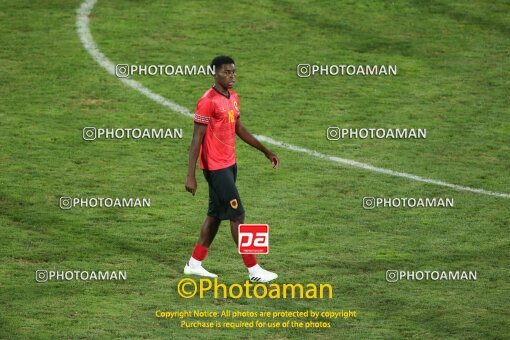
(196, 141)
(250, 139)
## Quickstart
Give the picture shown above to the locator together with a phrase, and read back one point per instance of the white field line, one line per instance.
(82, 26)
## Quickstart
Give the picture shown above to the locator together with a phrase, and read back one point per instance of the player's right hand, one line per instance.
(191, 185)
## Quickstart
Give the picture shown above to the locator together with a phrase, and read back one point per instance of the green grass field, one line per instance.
(453, 79)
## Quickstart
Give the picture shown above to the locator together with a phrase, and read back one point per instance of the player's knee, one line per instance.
(238, 220)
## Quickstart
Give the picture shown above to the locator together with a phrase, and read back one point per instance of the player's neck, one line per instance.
(221, 89)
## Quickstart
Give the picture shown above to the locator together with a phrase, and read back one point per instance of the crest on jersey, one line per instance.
(233, 203)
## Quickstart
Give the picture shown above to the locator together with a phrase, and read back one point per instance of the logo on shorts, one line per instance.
(233, 203)
(253, 239)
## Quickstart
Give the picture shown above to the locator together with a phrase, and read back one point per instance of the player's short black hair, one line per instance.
(221, 60)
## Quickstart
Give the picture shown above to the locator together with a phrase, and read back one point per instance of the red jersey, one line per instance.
(220, 114)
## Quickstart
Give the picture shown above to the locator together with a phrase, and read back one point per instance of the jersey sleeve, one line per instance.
(204, 112)
(237, 106)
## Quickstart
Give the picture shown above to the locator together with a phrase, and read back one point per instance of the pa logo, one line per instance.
(253, 239)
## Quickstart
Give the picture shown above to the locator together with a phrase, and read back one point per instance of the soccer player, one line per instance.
(216, 125)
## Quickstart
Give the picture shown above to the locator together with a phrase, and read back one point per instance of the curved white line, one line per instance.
(82, 26)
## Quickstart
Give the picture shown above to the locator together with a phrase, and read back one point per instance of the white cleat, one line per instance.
(262, 276)
(200, 271)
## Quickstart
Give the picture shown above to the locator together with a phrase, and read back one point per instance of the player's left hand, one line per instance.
(275, 161)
